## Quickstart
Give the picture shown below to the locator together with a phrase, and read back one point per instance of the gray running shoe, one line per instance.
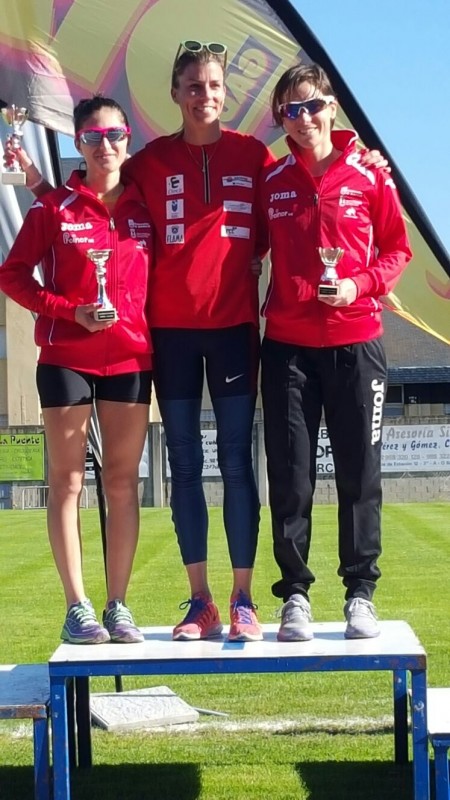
(120, 625)
(361, 619)
(296, 620)
(81, 625)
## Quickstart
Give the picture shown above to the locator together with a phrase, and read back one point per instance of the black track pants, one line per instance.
(349, 384)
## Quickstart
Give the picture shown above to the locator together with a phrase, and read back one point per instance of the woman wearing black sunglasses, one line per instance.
(338, 244)
(83, 360)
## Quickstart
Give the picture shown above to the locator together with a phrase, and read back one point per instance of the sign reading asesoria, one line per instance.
(21, 457)
(406, 448)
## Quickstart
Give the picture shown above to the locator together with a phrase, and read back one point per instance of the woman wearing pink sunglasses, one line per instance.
(84, 360)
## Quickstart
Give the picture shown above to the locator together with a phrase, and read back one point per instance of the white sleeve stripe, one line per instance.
(288, 162)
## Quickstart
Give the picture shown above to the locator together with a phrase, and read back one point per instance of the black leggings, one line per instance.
(230, 358)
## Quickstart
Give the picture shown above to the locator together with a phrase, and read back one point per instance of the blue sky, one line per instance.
(395, 57)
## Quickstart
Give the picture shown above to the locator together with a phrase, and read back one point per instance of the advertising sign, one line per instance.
(21, 456)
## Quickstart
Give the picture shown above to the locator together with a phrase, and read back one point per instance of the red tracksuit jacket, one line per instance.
(352, 207)
(202, 205)
(58, 230)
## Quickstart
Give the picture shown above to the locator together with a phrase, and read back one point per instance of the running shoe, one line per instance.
(244, 622)
(361, 619)
(296, 620)
(119, 623)
(81, 625)
(202, 620)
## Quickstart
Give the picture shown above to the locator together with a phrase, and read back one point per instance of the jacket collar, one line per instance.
(343, 140)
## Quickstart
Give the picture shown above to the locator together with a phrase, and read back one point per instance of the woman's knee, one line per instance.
(120, 484)
(235, 461)
(65, 483)
(186, 462)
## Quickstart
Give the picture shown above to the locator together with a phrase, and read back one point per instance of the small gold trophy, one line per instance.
(330, 257)
(106, 312)
(12, 174)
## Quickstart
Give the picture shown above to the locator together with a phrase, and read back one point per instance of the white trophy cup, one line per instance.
(330, 257)
(16, 117)
(106, 312)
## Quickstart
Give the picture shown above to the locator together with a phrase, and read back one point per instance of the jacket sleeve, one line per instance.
(262, 230)
(33, 243)
(134, 170)
(391, 241)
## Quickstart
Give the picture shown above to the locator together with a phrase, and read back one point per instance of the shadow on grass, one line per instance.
(358, 780)
(338, 728)
(113, 782)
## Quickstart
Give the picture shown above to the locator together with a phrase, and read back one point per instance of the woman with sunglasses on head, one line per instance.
(322, 348)
(84, 360)
(199, 185)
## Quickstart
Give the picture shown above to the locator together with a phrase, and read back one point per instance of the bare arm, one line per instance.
(34, 180)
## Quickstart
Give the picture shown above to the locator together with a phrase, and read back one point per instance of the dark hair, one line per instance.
(291, 80)
(86, 107)
(187, 57)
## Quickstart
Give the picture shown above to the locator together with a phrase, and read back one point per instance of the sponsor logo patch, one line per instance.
(282, 196)
(346, 190)
(237, 180)
(377, 412)
(175, 184)
(175, 209)
(71, 238)
(350, 213)
(275, 213)
(234, 232)
(139, 230)
(236, 205)
(76, 226)
(174, 234)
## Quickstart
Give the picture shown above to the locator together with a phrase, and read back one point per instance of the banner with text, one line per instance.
(21, 457)
(406, 448)
(53, 52)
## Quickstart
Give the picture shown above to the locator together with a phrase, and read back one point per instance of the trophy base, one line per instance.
(106, 315)
(14, 179)
(327, 290)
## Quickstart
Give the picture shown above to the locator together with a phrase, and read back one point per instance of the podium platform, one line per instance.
(396, 650)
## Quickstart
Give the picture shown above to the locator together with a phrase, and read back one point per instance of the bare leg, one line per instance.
(123, 429)
(66, 437)
(242, 581)
(198, 578)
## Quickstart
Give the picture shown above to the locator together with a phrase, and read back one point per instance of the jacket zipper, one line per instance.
(113, 285)
(111, 282)
(316, 201)
(206, 180)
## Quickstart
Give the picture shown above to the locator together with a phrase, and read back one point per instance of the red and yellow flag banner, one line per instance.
(53, 52)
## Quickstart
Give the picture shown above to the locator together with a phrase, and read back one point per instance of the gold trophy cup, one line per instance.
(16, 117)
(330, 257)
(106, 312)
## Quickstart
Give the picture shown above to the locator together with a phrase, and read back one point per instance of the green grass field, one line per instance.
(290, 737)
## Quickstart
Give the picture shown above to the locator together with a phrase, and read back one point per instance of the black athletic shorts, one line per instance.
(60, 387)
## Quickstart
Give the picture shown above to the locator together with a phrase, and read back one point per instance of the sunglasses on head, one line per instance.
(313, 106)
(193, 46)
(94, 136)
